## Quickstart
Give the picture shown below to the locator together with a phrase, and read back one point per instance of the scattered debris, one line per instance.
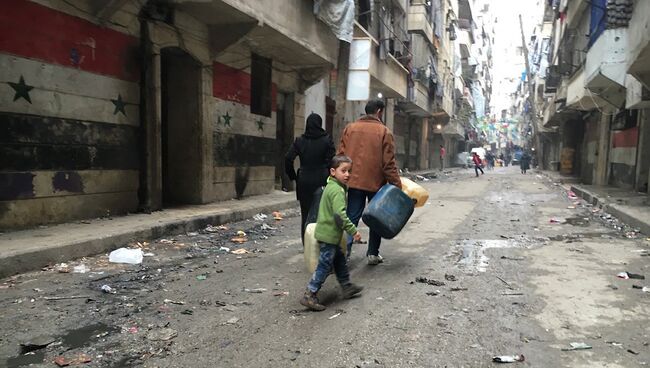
(512, 294)
(557, 220)
(628, 275)
(255, 291)
(513, 258)
(632, 352)
(239, 239)
(577, 346)
(433, 293)
(62, 268)
(177, 302)
(240, 251)
(509, 358)
(67, 297)
(108, 290)
(36, 343)
(450, 277)
(81, 358)
(334, 316)
(458, 289)
(260, 217)
(187, 312)
(645, 289)
(277, 216)
(232, 321)
(505, 282)
(201, 277)
(80, 269)
(224, 249)
(126, 255)
(215, 229)
(266, 226)
(163, 334)
(433, 282)
(281, 293)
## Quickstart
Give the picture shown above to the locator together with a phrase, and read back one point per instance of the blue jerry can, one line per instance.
(388, 211)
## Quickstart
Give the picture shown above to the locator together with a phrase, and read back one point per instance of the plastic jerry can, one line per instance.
(388, 211)
(415, 191)
(311, 252)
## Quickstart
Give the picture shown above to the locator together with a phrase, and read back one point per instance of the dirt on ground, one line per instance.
(501, 265)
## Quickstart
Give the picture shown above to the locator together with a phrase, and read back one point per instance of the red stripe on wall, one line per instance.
(38, 32)
(232, 84)
(625, 138)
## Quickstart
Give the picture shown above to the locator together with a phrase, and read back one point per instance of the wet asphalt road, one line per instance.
(506, 281)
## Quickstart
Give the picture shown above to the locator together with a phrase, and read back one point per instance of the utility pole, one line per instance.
(531, 89)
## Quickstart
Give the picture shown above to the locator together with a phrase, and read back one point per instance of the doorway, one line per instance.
(180, 127)
(284, 135)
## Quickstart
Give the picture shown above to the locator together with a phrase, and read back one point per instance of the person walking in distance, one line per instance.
(371, 146)
(443, 153)
(315, 149)
(478, 164)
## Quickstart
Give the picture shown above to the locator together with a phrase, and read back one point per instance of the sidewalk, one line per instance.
(32, 249)
(631, 207)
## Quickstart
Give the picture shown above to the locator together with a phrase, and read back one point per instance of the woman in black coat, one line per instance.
(315, 149)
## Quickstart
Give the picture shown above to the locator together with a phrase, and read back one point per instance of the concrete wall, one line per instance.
(315, 99)
(70, 115)
(643, 152)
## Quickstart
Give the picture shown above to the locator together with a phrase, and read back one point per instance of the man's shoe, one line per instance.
(310, 300)
(351, 290)
(375, 260)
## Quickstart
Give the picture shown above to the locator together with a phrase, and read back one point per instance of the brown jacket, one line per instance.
(371, 147)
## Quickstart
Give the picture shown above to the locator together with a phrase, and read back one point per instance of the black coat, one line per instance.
(315, 154)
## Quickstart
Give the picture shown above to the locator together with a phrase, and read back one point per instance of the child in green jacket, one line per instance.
(332, 221)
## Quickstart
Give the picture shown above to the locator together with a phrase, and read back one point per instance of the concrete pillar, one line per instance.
(602, 151)
(389, 114)
(643, 152)
(424, 144)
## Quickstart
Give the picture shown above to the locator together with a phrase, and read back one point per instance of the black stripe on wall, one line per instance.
(244, 150)
(42, 143)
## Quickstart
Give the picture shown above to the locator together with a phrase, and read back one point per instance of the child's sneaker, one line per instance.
(351, 290)
(310, 300)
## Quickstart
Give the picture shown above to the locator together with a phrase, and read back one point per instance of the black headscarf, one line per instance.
(314, 126)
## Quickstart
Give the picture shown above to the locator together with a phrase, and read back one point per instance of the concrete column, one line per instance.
(389, 114)
(425, 150)
(602, 151)
(643, 152)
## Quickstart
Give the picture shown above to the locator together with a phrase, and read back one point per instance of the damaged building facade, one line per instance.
(123, 106)
(593, 97)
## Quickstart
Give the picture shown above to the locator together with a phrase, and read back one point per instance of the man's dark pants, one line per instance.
(356, 204)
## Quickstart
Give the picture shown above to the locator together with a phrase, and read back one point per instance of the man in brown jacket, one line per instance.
(370, 145)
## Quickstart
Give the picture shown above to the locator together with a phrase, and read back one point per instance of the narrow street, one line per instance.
(509, 280)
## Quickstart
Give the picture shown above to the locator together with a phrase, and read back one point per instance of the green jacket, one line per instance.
(332, 219)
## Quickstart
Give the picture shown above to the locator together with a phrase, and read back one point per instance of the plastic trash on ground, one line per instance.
(126, 255)
(577, 346)
(508, 358)
(415, 192)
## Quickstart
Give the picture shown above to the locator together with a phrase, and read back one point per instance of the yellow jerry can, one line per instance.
(311, 252)
(415, 192)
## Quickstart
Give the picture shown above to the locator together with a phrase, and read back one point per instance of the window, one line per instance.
(261, 99)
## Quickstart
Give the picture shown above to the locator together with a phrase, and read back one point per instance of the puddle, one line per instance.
(71, 340)
(474, 252)
(35, 357)
(83, 336)
(577, 221)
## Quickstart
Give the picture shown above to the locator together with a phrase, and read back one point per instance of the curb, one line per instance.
(616, 210)
(37, 258)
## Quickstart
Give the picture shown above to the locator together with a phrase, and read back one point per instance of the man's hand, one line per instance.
(356, 237)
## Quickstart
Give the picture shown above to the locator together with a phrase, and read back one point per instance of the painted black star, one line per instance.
(226, 119)
(260, 125)
(119, 105)
(22, 89)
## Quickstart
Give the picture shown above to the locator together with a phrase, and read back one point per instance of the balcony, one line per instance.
(453, 130)
(369, 75)
(420, 22)
(578, 96)
(606, 67)
(287, 32)
(465, 42)
(418, 102)
(638, 43)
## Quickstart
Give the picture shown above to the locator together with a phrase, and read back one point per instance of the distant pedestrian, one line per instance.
(371, 146)
(443, 153)
(478, 164)
(489, 157)
(332, 221)
(524, 162)
(315, 149)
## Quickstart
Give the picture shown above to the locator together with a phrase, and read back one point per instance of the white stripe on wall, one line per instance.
(66, 92)
(242, 121)
(623, 155)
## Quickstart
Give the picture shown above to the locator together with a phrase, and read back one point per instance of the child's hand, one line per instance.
(356, 237)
